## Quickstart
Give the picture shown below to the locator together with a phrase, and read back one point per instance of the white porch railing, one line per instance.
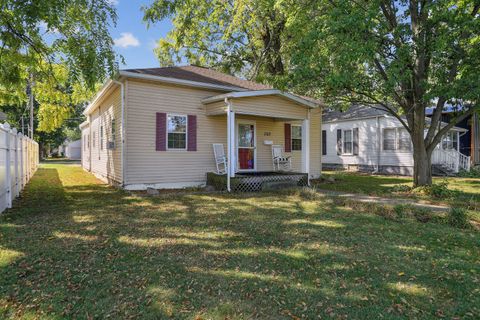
(451, 159)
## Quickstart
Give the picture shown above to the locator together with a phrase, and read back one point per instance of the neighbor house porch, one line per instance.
(257, 120)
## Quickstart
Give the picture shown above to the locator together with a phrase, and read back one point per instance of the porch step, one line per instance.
(278, 185)
(442, 170)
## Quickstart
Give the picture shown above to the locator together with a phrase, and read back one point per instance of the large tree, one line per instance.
(52, 45)
(243, 36)
(405, 56)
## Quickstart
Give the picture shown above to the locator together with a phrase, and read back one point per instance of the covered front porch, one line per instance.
(255, 122)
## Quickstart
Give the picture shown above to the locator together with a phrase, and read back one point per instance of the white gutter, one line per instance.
(379, 141)
(258, 93)
(180, 81)
(122, 99)
(100, 93)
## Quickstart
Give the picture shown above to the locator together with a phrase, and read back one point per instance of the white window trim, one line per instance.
(291, 136)
(343, 142)
(101, 137)
(113, 133)
(186, 132)
(396, 141)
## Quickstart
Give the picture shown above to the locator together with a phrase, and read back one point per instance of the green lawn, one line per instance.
(466, 190)
(75, 248)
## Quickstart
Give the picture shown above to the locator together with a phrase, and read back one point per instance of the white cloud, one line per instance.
(113, 2)
(126, 40)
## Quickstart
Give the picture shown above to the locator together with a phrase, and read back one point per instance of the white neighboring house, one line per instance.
(369, 139)
(73, 149)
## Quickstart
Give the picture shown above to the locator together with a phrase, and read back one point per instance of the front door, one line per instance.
(246, 145)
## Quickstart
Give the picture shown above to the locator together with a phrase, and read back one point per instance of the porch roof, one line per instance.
(257, 93)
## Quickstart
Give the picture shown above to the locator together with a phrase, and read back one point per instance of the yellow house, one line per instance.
(156, 128)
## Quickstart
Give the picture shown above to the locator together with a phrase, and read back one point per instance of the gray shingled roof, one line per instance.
(355, 112)
(362, 112)
(201, 74)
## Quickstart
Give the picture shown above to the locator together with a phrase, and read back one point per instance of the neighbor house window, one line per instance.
(177, 132)
(347, 142)
(449, 141)
(396, 139)
(404, 141)
(324, 142)
(297, 138)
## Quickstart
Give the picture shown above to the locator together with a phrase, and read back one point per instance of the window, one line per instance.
(112, 130)
(296, 137)
(347, 142)
(88, 141)
(177, 132)
(324, 142)
(101, 137)
(449, 141)
(404, 141)
(396, 139)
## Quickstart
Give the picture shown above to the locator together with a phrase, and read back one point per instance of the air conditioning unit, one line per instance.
(111, 145)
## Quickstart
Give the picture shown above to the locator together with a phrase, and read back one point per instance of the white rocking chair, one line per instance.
(280, 160)
(220, 158)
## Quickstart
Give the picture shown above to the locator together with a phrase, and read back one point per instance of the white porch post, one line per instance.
(233, 154)
(231, 160)
(306, 147)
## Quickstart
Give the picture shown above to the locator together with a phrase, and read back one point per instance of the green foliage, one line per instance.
(63, 47)
(401, 188)
(457, 217)
(437, 190)
(473, 173)
(422, 214)
(245, 36)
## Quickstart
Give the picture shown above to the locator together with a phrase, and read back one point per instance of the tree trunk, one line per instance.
(422, 168)
(422, 161)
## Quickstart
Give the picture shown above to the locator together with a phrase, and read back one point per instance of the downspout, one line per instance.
(377, 167)
(122, 123)
(229, 133)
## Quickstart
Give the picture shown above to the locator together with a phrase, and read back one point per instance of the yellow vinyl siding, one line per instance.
(216, 108)
(315, 142)
(269, 106)
(106, 163)
(145, 165)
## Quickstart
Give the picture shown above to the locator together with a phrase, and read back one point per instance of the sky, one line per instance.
(133, 40)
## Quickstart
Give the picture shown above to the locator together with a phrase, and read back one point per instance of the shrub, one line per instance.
(401, 188)
(422, 214)
(457, 217)
(473, 173)
(436, 190)
(402, 210)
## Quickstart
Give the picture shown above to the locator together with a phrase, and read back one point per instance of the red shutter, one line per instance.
(192, 133)
(161, 132)
(288, 137)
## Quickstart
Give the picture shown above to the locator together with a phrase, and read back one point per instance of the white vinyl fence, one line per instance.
(18, 163)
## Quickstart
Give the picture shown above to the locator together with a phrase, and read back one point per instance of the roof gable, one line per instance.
(200, 74)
